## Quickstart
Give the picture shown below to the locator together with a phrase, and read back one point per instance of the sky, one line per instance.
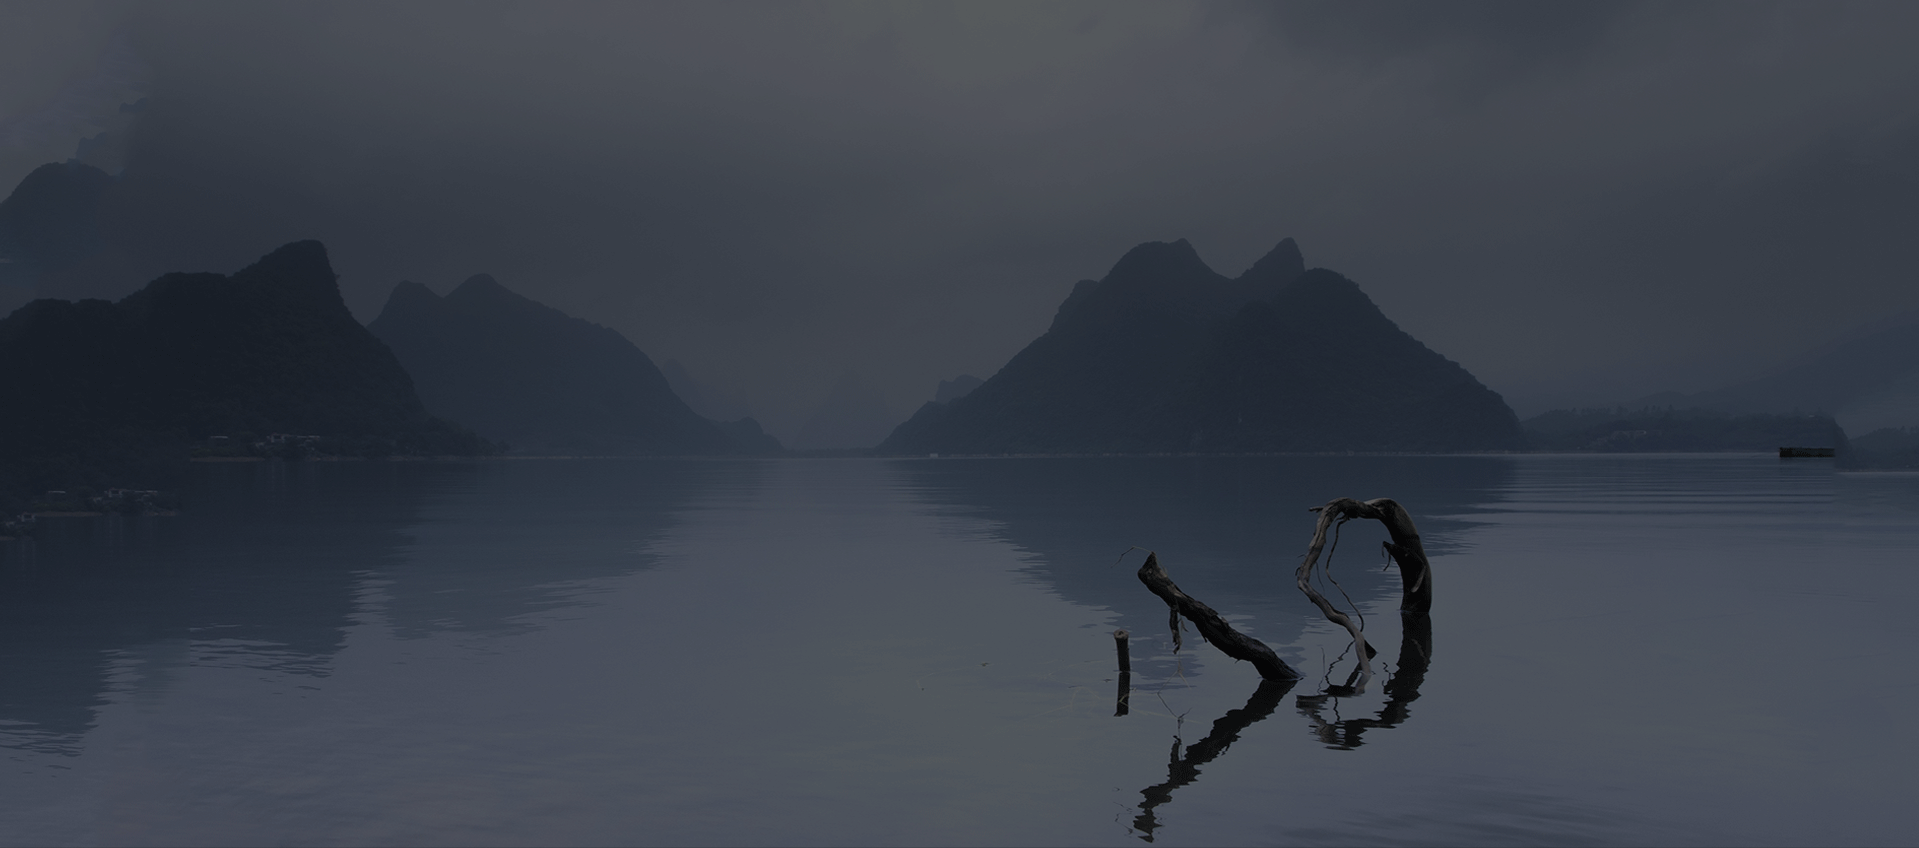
(1581, 203)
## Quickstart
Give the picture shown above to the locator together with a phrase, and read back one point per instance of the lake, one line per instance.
(1624, 649)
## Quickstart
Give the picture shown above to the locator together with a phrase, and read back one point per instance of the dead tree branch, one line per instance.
(1414, 572)
(1211, 626)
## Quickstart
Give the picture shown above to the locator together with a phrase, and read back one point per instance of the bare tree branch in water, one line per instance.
(1211, 626)
(1415, 652)
(1414, 572)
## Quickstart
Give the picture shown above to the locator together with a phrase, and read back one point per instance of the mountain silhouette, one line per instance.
(1166, 355)
(703, 398)
(1649, 429)
(1868, 379)
(96, 389)
(956, 388)
(51, 221)
(543, 381)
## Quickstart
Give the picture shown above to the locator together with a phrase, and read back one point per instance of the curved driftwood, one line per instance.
(1414, 573)
(1211, 626)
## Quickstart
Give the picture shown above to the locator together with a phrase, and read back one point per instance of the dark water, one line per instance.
(1624, 650)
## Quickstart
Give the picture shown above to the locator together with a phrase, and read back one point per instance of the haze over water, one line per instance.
(1644, 649)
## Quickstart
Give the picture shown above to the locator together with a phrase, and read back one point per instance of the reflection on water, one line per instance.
(1401, 689)
(1183, 769)
(1228, 527)
(265, 572)
(1344, 734)
(566, 523)
(1637, 650)
(1226, 521)
(273, 562)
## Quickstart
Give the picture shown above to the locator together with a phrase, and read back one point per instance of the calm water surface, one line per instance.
(1624, 650)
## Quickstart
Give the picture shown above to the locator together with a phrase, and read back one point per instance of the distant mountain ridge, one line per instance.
(1868, 379)
(1166, 355)
(95, 388)
(1648, 429)
(956, 388)
(50, 222)
(543, 381)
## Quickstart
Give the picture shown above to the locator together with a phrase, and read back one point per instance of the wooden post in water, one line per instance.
(1119, 641)
(1121, 706)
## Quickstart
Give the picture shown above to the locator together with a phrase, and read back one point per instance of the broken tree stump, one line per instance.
(1211, 626)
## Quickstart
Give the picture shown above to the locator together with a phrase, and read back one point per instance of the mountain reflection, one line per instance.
(272, 563)
(1230, 529)
(523, 533)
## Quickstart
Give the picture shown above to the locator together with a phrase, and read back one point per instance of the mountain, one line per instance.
(97, 389)
(956, 388)
(543, 381)
(1886, 448)
(1654, 429)
(51, 221)
(703, 398)
(1166, 355)
(1868, 379)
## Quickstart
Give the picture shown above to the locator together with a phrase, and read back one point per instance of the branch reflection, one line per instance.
(1415, 654)
(1185, 769)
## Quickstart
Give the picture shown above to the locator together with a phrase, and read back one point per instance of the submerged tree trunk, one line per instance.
(1414, 573)
(1405, 549)
(1211, 626)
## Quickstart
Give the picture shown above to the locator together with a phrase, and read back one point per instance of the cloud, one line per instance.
(1578, 202)
(66, 71)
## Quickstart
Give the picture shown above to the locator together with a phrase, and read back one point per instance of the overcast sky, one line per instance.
(1579, 203)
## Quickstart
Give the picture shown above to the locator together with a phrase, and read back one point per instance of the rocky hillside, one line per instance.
(1166, 355)
(542, 381)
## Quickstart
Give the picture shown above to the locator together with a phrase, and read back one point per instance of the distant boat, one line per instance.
(1786, 453)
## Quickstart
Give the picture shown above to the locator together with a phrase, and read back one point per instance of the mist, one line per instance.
(1580, 203)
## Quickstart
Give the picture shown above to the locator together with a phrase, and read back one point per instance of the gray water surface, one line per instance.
(1656, 649)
